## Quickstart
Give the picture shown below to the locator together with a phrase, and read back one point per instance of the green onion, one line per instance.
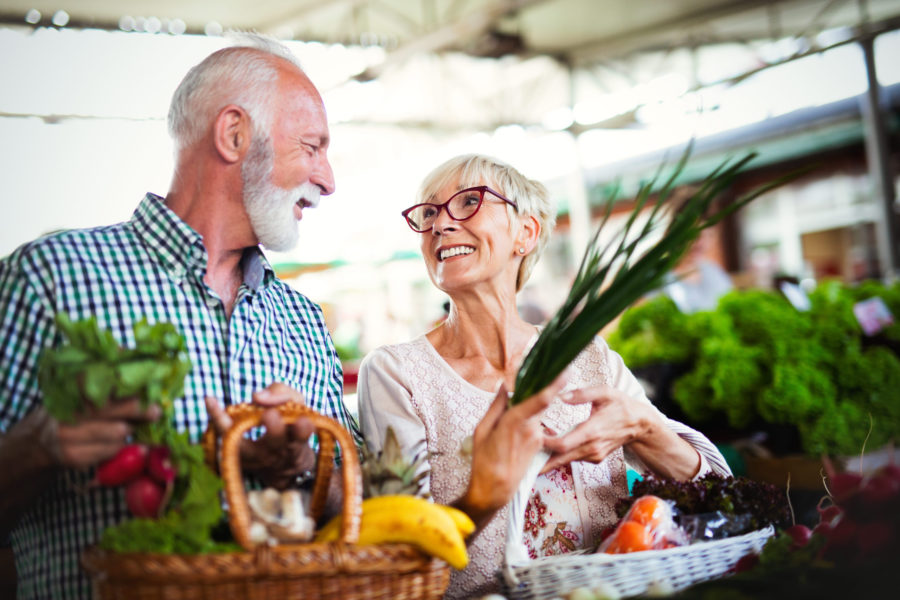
(614, 275)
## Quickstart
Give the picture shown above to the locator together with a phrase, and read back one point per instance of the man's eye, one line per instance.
(312, 148)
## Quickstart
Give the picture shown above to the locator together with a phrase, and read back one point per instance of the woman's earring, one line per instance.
(521, 250)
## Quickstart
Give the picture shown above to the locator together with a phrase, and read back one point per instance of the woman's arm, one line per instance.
(622, 416)
(385, 400)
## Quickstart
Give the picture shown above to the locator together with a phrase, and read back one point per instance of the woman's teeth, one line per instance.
(455, 251)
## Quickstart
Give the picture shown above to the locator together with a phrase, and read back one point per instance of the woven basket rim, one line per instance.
(646, 555)
(306, 560)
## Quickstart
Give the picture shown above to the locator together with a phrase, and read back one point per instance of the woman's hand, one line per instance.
(616, 421)
(504, 443)
(282, 452)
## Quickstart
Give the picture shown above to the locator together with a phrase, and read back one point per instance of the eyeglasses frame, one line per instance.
(446, 205)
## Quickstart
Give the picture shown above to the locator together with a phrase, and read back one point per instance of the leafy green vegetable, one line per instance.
(154, 371)
(613, 276)
(755, 359)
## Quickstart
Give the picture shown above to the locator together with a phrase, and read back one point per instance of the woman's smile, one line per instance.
(447, 252)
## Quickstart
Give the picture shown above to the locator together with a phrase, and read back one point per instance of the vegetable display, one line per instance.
(615, 274)
(167, 487)
(756, 359)
(854, 549)
(764, 503)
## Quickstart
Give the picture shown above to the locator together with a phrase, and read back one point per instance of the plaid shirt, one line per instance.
(150, 266)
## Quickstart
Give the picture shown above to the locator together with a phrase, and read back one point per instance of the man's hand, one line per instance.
(34, 449)
(98, 433)
(282, 452)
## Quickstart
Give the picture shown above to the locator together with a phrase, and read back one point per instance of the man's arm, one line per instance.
(37, 447)
(26, 466)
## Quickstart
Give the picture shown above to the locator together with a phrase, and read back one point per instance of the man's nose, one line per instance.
(323, 176)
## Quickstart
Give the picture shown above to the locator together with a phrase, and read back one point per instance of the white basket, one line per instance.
(626, 574)
(631, 574)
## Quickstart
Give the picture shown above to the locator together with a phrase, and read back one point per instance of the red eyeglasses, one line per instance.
(461, 206)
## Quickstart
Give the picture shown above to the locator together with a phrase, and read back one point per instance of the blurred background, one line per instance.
(588, 96)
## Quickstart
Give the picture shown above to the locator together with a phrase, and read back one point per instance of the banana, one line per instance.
(434, 528)
(463, 523)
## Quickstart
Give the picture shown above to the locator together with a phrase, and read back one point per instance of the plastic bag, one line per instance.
(649, 524)
(713, 526)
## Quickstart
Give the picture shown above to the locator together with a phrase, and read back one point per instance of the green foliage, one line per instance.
(154, 371)
(755, 358)
(92, 360)
(655, 331)
(614, 275)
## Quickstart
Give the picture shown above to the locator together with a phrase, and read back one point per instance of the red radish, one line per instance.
(746, 562)
(823, 528)
(844, 485)
(841, 543)
(879, 491)
(159, 464)
(873, 538)
(800, 535)
(144, 497)
(127, 464)
(890, 470)
(827, 515)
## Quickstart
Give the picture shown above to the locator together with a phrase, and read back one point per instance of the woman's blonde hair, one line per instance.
(532, 198)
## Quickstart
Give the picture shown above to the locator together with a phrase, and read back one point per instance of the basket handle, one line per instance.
(247, 416)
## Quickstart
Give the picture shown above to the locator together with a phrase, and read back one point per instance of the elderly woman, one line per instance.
(482, 226)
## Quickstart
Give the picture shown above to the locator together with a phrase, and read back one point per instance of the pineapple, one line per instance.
(389, 472)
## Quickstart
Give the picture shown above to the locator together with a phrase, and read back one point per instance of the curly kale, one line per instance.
(755, 359)
(653, 332)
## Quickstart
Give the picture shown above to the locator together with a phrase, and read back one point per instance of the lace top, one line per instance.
(410, 387)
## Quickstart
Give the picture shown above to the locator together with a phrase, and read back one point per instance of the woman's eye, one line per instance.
(428, 212)
(470, 200)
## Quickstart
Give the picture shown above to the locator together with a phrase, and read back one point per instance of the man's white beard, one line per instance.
(271, 208)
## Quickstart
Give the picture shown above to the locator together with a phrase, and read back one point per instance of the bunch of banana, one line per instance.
(436, 529)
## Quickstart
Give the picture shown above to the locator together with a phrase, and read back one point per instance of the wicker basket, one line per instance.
(631, 574)
(339, 570)
(624, 574)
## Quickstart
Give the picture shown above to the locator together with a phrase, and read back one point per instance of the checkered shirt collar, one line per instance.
(178, 247)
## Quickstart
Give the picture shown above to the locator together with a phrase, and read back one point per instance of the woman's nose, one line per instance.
(443, 222)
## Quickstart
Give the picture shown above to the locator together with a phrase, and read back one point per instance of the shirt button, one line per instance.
(212, 302)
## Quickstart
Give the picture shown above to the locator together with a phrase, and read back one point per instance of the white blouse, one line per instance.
(412, 388)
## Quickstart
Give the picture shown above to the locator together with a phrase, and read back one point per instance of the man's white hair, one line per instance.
(243, 74)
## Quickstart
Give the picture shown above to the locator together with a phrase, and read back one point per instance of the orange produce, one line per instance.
(651, 511)
(629, 536)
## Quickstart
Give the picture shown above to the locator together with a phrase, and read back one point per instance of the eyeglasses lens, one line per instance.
(461, 206)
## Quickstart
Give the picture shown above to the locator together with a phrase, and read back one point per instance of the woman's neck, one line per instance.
(483, 333)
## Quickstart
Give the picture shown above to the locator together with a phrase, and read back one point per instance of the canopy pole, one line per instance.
(880, 172)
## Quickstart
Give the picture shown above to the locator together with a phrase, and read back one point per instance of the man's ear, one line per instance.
(232, 133)
(529, 231)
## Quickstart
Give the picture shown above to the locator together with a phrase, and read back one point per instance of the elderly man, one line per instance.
(251, 139)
